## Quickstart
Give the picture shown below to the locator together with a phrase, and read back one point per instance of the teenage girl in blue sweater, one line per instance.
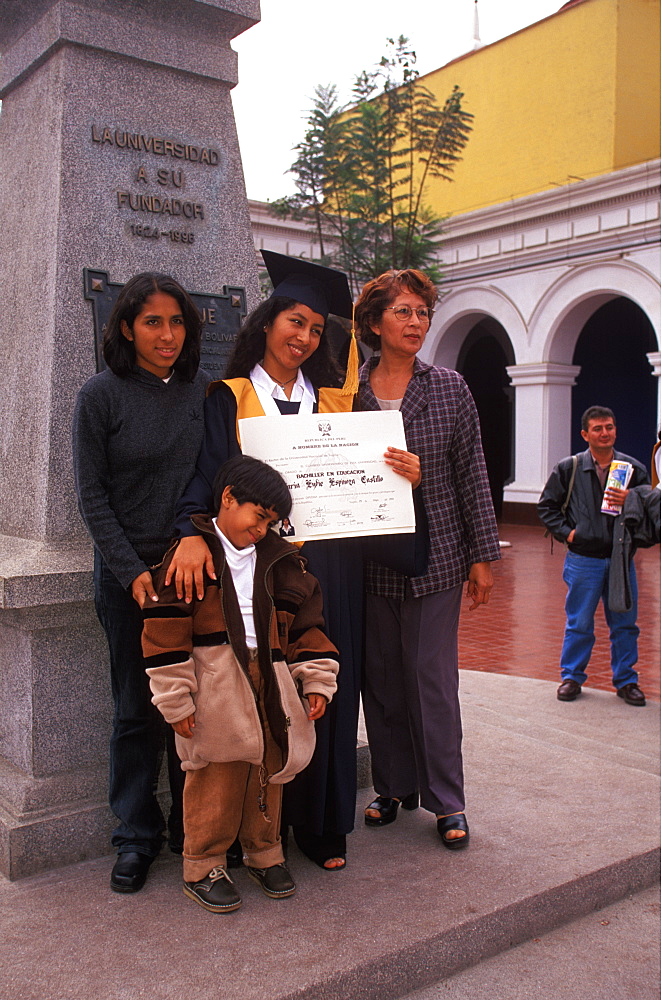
(138, 428)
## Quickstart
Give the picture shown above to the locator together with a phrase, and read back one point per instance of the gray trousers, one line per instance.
(410, 698)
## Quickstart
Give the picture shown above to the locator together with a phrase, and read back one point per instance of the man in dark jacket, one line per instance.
(570, 509)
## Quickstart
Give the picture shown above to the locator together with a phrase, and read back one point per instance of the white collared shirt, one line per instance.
(269, 391)
(242, 566)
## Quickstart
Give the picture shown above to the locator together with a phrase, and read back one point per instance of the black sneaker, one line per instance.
(275, 881)
(216, 892)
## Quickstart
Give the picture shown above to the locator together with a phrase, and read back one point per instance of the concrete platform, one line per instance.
(564, 813)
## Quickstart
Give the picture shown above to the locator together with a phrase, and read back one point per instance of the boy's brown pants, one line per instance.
(221, 804)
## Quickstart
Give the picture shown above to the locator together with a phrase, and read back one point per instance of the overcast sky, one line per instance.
(302, 43)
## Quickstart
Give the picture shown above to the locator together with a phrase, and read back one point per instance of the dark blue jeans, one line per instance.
(587, 580)
(140, 734)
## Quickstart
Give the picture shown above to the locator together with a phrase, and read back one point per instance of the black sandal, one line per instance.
(448, 823)
(388, 808)
(320, 848)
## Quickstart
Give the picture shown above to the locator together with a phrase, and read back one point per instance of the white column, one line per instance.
(654, 360)
(543, 409)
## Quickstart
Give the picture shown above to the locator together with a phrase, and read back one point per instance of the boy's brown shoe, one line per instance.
(275, 881)
(216, 892)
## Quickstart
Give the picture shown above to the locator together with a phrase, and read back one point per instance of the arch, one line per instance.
(458, 314)
(615, 371)
(567, 305)
(486, 326)
(483, 363)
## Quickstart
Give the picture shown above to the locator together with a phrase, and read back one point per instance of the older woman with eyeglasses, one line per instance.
(410, 693)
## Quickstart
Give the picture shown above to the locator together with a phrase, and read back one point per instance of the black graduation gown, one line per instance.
(322, 799)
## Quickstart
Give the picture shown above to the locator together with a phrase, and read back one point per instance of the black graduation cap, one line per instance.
(322, 289)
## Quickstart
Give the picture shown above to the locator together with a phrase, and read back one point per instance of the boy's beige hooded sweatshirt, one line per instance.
(197, 660)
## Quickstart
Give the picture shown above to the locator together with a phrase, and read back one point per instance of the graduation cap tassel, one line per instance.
(351, 386)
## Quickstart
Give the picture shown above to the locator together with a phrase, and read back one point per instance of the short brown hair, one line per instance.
(378, 294)
(597, 413)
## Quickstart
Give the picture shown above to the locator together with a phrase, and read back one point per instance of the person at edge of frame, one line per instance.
(571, 513)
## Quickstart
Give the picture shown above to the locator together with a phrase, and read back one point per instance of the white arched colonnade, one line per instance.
(540, 267)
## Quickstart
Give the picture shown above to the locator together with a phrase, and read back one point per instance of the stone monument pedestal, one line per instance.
(118, 152)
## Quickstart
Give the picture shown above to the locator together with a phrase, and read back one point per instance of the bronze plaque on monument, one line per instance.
(222, 316)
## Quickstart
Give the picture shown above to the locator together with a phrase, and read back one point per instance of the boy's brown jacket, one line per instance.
(197, 660)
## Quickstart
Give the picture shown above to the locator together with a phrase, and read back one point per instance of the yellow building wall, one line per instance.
(637, 135)
(571, 97)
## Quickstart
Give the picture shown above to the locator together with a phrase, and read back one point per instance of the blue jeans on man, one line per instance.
(587, 580)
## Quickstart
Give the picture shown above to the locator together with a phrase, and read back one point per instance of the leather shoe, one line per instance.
(130, 871)
(632, 695)
(275, 881)
(569, 690)
(216, 892)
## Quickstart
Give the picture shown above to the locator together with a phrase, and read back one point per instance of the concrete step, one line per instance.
(610, 954)
(563, 808)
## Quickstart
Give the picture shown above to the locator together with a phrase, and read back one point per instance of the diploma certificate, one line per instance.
(333, 464)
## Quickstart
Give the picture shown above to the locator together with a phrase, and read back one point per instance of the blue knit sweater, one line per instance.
(135, 443)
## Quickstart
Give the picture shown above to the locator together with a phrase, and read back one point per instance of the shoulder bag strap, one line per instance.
(575, 459)
(564, 507)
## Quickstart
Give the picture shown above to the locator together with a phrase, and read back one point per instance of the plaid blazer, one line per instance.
(442, 428)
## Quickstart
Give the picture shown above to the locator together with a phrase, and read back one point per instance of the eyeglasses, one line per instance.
(404, 313)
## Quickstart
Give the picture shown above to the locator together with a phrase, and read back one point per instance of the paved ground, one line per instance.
(563, 806)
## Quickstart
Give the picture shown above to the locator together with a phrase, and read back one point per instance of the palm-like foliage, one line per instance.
(362, 171)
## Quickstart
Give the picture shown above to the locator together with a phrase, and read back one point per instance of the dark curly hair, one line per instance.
(379, 293)
(120, 353)
(320, 367)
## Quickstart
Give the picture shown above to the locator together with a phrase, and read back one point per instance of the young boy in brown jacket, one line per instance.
(228, 672)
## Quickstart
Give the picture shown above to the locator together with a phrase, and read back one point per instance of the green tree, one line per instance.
(362, 170)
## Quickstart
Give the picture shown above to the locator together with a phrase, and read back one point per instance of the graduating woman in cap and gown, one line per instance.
(281, 365)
